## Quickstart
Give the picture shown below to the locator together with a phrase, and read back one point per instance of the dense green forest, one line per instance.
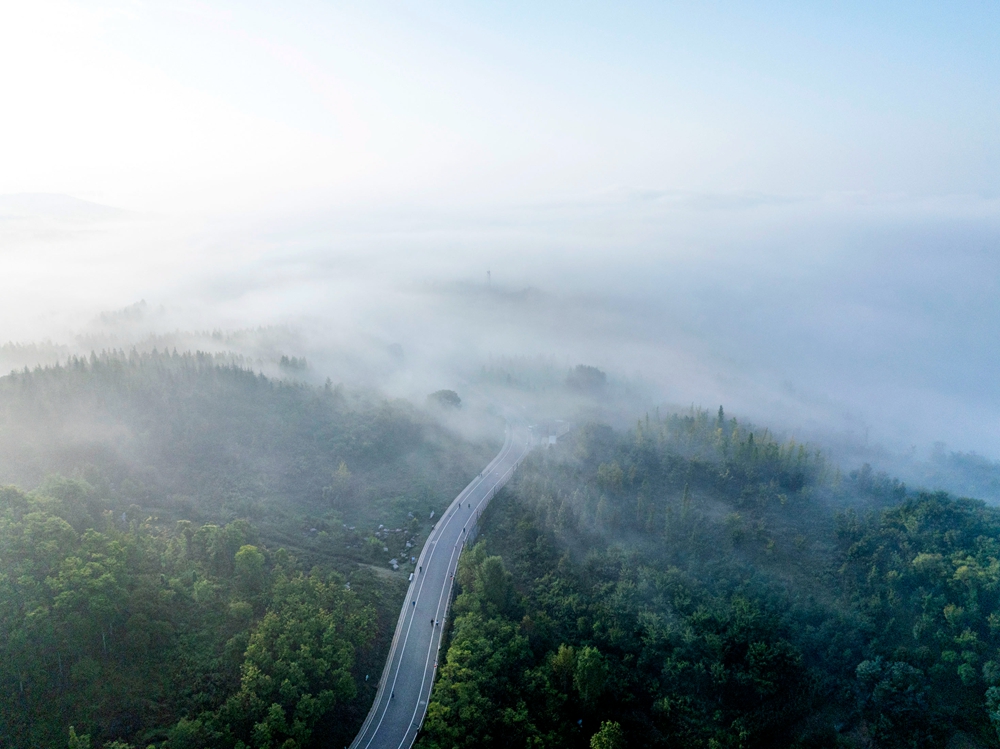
(695, 583)
(198, 556)
(197, 437)
(192, 637)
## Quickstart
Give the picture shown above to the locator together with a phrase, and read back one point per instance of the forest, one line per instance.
(114, 631)
(195, 555)
(694, 582)
(201, 436)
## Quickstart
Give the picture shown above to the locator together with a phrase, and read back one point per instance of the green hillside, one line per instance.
(192, 436)
(199, 556)
(694, 583)
(199, 636)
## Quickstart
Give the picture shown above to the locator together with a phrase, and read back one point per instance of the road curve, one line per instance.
(405, 686)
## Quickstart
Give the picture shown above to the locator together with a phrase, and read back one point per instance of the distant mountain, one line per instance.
(29, 205)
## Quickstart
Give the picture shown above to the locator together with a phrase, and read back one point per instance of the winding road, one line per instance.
(406, 683)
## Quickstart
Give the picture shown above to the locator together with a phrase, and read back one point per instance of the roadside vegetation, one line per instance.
(198, 556)
(695, 583)
(193, 555)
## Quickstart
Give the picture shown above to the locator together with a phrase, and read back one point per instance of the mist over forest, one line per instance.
(671, 331)
(867, 328)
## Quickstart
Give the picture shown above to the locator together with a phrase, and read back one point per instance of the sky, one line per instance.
(228, 106)
(791, 207)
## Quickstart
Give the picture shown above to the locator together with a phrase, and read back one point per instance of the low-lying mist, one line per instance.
(866, 326)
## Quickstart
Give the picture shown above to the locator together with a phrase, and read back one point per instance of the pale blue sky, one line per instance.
(229, 105)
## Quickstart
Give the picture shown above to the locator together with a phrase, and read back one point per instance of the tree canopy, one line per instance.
(695, 582)
(202, 559)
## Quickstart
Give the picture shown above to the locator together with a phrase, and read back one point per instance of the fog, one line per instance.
(791, 217)
(845, 318)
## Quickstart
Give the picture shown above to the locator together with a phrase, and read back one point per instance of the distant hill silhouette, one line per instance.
(29, 205)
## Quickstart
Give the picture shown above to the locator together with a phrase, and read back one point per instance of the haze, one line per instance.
(790, 210)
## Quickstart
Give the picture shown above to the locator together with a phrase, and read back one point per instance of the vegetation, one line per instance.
(200, 557)
(587, 379)
(445, 399)
(968, 473)
(212, 566)
(183, 436)
(697, 583)
(192, 637)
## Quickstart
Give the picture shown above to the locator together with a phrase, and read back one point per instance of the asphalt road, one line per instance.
(405, 687)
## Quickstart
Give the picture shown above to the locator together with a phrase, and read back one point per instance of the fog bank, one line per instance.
(871, 320)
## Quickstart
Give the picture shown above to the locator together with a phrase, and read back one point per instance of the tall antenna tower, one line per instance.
(489, 281)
